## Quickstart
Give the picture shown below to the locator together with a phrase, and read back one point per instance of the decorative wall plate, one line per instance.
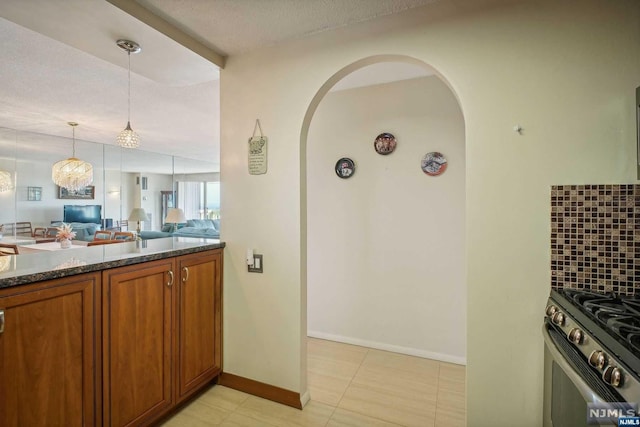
(434, 163)
(385, 143)
(345, 168)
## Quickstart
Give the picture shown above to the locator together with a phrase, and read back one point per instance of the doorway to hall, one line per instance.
(385, 245)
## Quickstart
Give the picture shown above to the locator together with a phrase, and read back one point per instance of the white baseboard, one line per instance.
(305, 398)
(390, 347)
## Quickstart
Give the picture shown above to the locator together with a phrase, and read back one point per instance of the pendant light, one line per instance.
(128, 138)
(72, 173)
(5, 181)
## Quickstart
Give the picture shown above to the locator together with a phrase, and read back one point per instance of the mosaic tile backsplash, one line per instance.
(595, 238)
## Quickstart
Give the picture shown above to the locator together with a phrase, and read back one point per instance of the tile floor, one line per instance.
(349, 386)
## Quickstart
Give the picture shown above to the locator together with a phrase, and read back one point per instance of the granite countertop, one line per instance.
(34, 267)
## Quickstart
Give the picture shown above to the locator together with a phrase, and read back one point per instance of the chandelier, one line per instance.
(5, 181)
(128, 138)
(72, 173)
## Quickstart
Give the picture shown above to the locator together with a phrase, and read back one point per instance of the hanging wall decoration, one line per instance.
(345, 168)
(34, 194)
(434, 163)
(257, 152)
(385, 143)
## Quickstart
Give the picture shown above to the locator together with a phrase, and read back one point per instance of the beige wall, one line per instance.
(113, 205)
(564, 70)
(386, 246)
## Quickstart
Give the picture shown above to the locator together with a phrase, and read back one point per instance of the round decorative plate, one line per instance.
(434, 163)
(345, 168)
(385, 143)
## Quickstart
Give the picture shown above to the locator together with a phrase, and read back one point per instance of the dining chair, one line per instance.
(123, 225)
(45, 234)
(104, 242)
(19, 228)
(124, 235)
(102, 235)
(8, 249)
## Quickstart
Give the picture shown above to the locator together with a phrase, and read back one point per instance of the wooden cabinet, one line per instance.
(47, 353)
(199, 328)
(119, 347)
(137, 342)
(162, 326)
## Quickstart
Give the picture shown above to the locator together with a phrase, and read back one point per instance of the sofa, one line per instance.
(84, 230)
(199, 228)
(208, 228)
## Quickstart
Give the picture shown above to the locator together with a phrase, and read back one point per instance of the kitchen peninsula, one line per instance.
(109, 335)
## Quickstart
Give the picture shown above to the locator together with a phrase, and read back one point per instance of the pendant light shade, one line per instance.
(5, 181)
(128, 138)
(72, 173)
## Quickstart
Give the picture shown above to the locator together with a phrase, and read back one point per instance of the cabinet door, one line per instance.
(137, 321)
(47, 351)
(199, 320)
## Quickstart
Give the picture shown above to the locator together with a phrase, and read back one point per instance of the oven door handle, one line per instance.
(584, 389)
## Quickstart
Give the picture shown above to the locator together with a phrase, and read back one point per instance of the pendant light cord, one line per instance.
(129, 94)
(73, 128)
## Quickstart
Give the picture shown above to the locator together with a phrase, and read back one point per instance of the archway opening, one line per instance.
(383, 251)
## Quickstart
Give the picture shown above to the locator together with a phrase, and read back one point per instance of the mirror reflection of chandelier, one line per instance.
(5, 181)
(72, 173)
(5, 263)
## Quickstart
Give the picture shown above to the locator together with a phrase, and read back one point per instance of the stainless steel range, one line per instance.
(592, 357)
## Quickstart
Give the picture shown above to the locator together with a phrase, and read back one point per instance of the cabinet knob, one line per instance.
(185, 276)
(170, 278)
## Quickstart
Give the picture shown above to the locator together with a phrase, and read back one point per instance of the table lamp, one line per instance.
(174, 216)
(138, 214)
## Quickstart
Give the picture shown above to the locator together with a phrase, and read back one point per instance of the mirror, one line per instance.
(123, 179)
(8, 169)
(197, 189)
(145, 176)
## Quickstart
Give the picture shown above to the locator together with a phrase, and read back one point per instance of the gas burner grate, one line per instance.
(634, 340)
(610, 304)
(605, 315)
(632, 305)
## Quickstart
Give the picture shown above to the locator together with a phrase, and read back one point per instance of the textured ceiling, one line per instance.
(47, 83)
(237, 26)
(93, 26)
(59, 63)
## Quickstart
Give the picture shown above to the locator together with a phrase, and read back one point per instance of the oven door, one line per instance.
(569, 383)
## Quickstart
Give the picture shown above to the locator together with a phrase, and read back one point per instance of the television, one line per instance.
(83, 213)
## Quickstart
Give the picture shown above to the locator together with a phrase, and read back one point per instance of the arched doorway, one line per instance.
(387, 231)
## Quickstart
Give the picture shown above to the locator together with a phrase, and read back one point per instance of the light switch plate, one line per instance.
(257, 264)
